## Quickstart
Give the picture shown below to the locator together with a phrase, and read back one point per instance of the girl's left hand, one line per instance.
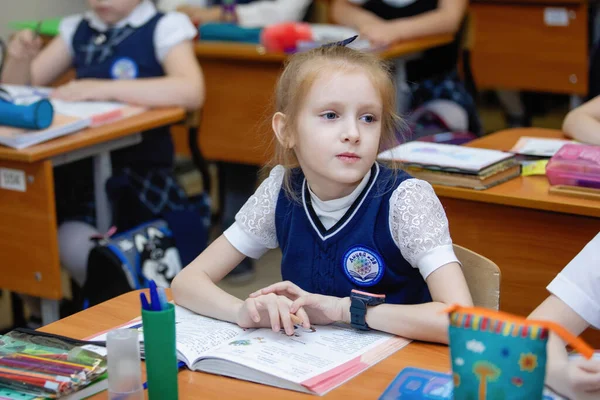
(82, 90)
(321, 309)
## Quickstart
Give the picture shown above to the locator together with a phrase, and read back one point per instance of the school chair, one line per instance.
(483, 277)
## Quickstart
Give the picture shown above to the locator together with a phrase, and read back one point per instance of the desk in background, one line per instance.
(368, 385)
(28, 226)
(531, 234)
(537, 45)
(240, 81)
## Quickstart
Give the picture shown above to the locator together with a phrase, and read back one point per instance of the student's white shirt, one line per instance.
(255, 14)
(578, 284)
(417, 221)
(172, 29)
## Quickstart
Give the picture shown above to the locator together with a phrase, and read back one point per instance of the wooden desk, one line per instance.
(28, 237)
(368, 385)
(240, 81)
(516, 48)
(529, 233)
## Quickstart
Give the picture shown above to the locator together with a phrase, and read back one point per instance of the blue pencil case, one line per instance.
(229, 33)
(422, 384)
(37, 115)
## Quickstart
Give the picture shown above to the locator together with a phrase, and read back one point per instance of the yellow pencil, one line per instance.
(296, 320)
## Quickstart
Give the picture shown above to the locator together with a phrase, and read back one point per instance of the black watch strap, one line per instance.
(359, 301)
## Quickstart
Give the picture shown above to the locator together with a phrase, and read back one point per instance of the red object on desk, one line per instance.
(283, 37)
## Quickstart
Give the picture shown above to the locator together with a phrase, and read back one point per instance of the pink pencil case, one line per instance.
(575, 165)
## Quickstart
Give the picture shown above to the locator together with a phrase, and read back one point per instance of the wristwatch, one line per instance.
(358, 307)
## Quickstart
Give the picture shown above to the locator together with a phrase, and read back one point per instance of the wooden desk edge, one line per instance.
(137, 123)
(253, 52)
(493, 198)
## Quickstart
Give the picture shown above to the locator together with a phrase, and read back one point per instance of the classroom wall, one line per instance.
(11, 10)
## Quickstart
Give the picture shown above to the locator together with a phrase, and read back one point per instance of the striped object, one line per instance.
(505, 328)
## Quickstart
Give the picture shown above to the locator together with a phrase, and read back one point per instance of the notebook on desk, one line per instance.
(69, 117)
(452, 165)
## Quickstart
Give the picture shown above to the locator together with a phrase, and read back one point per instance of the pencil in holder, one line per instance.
(38, 115)
(160, 353)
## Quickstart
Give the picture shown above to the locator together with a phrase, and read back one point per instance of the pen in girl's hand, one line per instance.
(296, 320)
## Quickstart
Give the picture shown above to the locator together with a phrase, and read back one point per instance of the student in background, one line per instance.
(583, 122)
(433, 76)
(239, 180)
(342, 220)
(575, 304)
(122, 50)
(250, 13)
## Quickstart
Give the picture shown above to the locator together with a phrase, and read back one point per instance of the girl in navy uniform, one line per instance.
(343, 221)
(433, 75)
(122, 50)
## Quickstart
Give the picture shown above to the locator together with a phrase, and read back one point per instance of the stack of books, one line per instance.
(451, 165)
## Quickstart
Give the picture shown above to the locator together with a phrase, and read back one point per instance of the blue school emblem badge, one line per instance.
(124, 68)
(363, 266)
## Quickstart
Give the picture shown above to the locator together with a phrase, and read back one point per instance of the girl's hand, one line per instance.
(270, 310)
(82, 90)
(322, 310)
(378, 33)
(25, 45)
(584, 377)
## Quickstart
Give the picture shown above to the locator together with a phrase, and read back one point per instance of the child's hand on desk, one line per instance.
(322, 310)
(378, 33)
(270, 310)
(25, 45)
(82, 90)
(584, 378)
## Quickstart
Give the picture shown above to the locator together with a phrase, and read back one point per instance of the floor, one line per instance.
(267, 268)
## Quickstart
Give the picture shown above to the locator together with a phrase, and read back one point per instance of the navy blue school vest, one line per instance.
(125, 53)
(434, 62)
(358, 252)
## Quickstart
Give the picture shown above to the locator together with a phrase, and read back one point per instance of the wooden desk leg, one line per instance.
(50, 311)
(530, 246)
(28, 238)
(102, 172)
(403, 94)
(402, 89)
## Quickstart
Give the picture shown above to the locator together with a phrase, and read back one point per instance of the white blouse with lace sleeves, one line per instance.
(253, 232)
(419, 226)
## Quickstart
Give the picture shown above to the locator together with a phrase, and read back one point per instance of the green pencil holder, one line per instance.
(160, 353)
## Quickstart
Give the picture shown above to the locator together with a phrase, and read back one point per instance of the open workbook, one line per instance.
(313, 360)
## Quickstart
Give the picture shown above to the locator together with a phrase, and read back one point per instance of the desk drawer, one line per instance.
(531, 47)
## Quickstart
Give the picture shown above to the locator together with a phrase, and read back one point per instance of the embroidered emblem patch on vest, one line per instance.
(124, 68)
(363, 266)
